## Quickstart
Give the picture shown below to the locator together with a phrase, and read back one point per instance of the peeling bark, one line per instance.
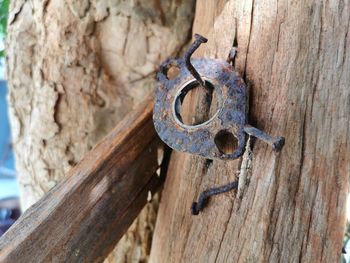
(75, 68)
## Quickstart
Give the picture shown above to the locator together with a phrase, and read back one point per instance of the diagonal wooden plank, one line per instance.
(84, 216)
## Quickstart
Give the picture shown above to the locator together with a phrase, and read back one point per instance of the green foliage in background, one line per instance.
(4, 11)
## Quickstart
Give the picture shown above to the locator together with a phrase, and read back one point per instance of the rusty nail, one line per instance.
(198, 41)
(276, 143)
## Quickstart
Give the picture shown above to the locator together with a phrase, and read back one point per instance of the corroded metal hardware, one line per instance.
(230, 117)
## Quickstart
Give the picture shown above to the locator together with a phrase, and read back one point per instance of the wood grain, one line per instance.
(295, 57)
(84, 216)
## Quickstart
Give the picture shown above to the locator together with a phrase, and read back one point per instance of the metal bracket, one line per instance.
(231, 115)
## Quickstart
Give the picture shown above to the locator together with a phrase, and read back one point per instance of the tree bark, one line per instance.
(75, 68)
(290, 207)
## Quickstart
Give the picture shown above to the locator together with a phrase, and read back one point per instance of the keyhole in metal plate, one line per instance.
(195, 105)
(226, 142)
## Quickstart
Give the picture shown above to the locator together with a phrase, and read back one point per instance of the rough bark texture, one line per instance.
(74, 69)
(295, 56)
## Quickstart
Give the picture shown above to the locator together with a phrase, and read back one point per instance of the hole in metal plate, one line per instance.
(226, 142)
(184, 103)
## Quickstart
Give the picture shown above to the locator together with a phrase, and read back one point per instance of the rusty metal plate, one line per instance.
(230, 115)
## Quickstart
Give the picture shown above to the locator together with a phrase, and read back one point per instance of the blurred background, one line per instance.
(9, 205)
(9, 193)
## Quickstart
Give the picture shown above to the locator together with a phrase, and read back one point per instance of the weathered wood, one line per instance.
(291, 206)
(84, 216)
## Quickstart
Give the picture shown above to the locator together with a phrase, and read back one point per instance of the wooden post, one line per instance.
(84, 216)
(291, 206)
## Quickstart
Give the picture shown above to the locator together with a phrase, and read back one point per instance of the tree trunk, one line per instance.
(290, 207)
(75, 68)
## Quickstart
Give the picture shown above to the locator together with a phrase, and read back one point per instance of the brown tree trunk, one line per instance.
(75, 68)
(290, 207)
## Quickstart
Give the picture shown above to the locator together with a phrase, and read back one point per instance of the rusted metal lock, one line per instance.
(230, 117)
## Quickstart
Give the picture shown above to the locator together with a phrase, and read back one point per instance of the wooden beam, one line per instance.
(84, 216)
(290, 206)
